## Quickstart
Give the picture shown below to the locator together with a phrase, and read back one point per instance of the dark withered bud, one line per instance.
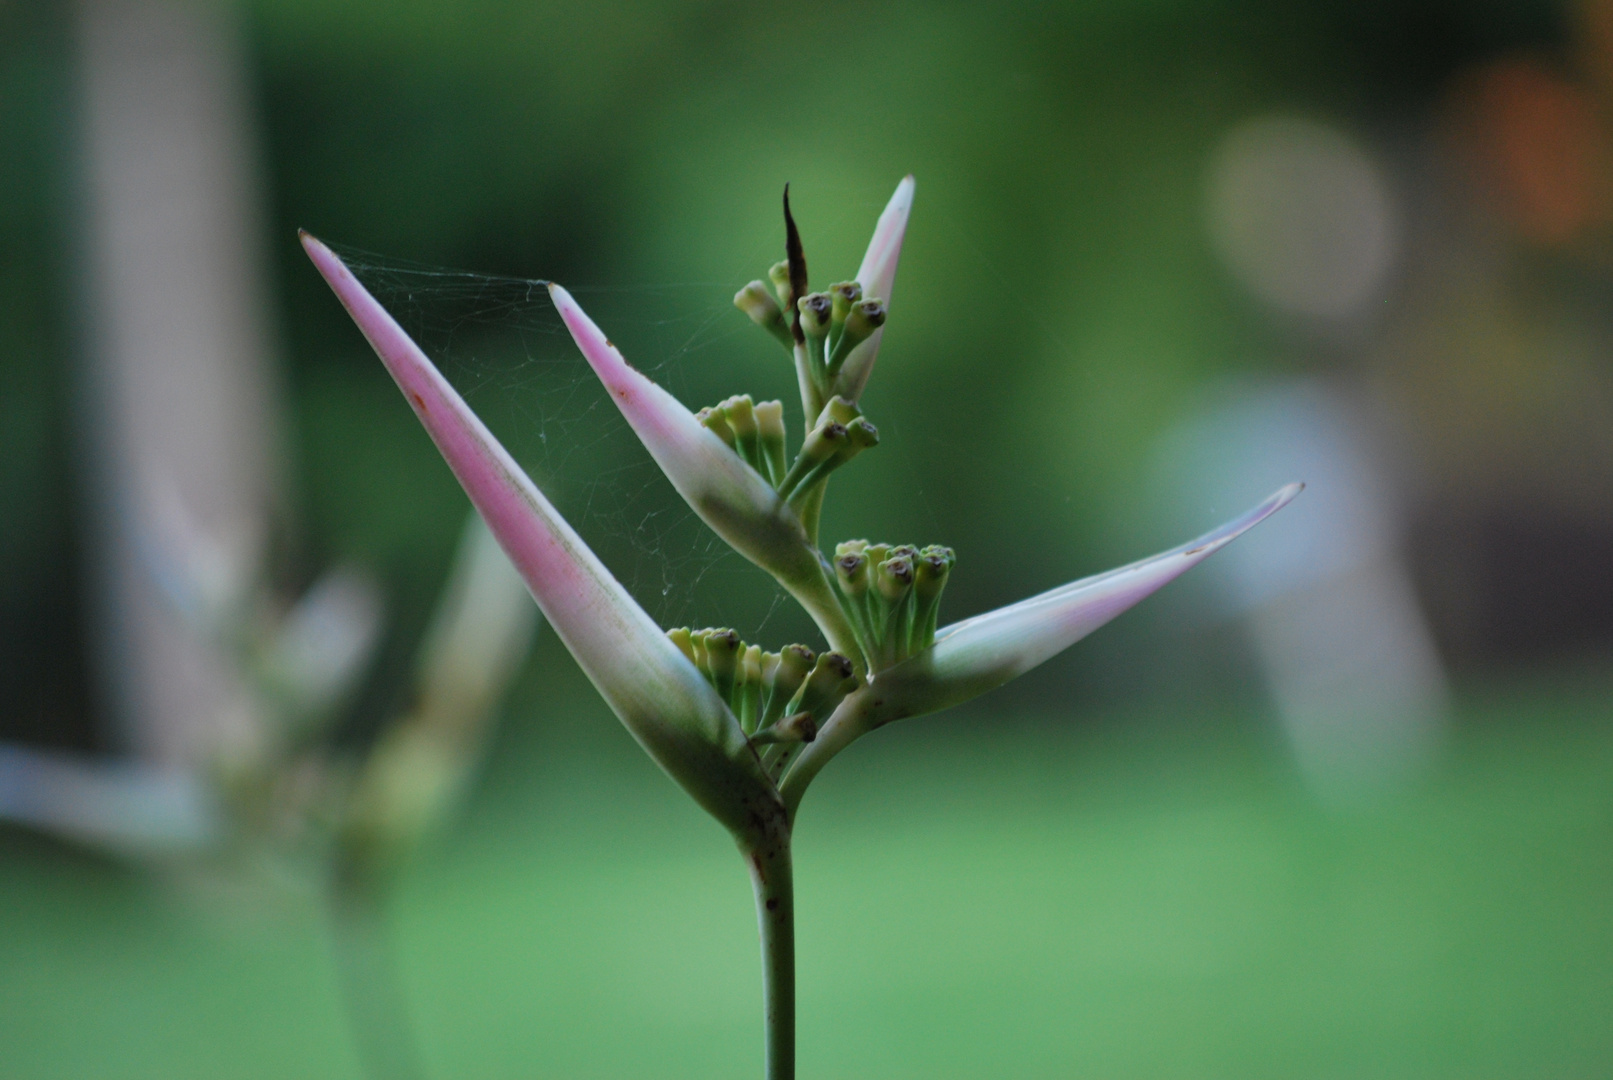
(756, 301)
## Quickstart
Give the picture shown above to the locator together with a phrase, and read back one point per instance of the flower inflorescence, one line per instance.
(892, 596)
(779, 698)
(743, 730)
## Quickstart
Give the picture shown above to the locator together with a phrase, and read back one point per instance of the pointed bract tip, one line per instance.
(979, 653)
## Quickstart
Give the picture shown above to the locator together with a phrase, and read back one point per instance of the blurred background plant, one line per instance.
(1355, 823)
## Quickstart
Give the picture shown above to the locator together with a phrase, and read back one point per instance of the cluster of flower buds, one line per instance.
(780, 699)
(841, 434)
(834, 323)
(892, 595)
(754, 431)
(820, 329)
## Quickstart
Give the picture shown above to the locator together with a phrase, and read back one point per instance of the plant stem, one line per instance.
(775, 915)
(375, 1008)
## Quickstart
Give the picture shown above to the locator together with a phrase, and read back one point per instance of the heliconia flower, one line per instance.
(661, 698)
(745, 730)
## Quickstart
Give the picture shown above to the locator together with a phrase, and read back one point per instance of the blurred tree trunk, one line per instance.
(179, 412)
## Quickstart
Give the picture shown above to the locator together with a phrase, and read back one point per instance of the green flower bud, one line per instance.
(816, 310)
(862, 319)
(842, 433)
(713, 417)
(754, 300)
(723, 649)
(929, 578)
(893, 585)
(754, 432)
(832, 678)
(839, 410)
(843, 294)
(747, 705)
(822, 444)
(851, 568)
(680, 638)
(779, 275)
(741, 416)
(851, 574)
(860, 435)
(770, 437)
(794, 665)
(799, 728)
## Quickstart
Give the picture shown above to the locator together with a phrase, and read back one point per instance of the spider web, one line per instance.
(504, 348)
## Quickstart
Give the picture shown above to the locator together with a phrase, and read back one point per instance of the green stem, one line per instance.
(849, 722)
(772, 880)
(812, 590)
(375, 1007)
(812, 398)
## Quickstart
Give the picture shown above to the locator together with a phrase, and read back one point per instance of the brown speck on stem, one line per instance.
(419, 402)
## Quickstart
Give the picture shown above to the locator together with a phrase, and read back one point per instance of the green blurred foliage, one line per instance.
(43, 691)
(1147, 896)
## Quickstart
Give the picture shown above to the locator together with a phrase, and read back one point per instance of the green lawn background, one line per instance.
(1146, 893)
